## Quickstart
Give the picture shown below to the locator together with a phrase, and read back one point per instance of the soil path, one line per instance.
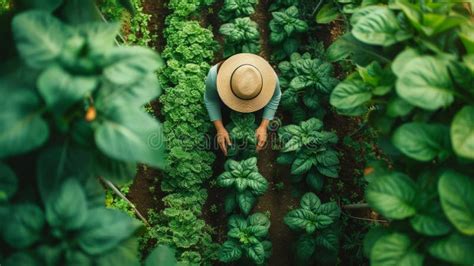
(140, 193)
(277, 200)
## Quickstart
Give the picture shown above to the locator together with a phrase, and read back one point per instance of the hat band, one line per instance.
(261, 84)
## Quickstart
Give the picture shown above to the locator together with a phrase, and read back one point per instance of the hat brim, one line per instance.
(223, 82)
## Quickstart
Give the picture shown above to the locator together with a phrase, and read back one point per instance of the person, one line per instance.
(244, 83)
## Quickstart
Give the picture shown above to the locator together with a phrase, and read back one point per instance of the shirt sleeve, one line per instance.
(211, 98)
(272, 106)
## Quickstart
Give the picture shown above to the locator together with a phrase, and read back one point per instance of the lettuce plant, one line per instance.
(240, 36)
(419, 97)
(246, 184)
(242, 133)
(284, 29)
(308, 149)
(306, 82)
(237, 8)
(317, 224)
(247, 240)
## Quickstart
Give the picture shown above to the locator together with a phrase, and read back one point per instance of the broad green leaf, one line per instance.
(24, 226)
(236, 221)
(330, 209)
(67, 207)
(430, 224)
(301, 219)
(315, 181)
(374, 234)
(455, 248)
(467, 37)
(350, 94)
(330, 171)
(256, 253)
(131, 136)
(398, 107)
(259, 219)
(425, 83)
(126, 253)
(305, 247)
(327, 13)
(392, 195)
(402, 59)
(302, 164)
(161, 255)
(100, 36)
(246, 201)
(422, 142)
(395, 249)
(39, 37)
(8, 182)
(361, 53)
(61, 90)
(22, 128)
(456, 192)
(379, 27)
(105, 229)
(230, 251)
(328, 239)
(130, 64)
(462, 132)
(310, 202)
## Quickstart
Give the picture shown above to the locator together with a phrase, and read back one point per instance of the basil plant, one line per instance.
(72, 111)
(246, 184)
(415, 86)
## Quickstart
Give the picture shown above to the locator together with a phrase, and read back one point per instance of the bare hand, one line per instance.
(261, 135)
(223, 139)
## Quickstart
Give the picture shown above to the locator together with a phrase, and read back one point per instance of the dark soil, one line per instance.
(146, 177)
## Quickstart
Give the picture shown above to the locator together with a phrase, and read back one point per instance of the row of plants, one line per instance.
(414, 83)
(247, 237)
(72, 113)
(188, 51)
(240, 32)
(286, 28)
(135, 28)
(306, 80)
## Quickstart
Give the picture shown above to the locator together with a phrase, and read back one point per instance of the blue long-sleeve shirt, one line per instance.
(213, 102)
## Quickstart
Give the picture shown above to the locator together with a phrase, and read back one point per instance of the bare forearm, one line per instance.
(218, 125)
(264, 123)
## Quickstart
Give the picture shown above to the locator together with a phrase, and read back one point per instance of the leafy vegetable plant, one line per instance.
(309, 151)
(237, 8)
(247, 240)
(285, 27)
(246, 183)
(416, 87)
(317, 223)
(72, 112)
(306, 82)
(240, 36)
(242, 133)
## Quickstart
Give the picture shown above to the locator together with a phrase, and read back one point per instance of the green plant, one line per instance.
(284, 29)
(334, 9)
(419, 97)
(309, 151)
(246, 181)
(64, 123)
(242, 133)
(306, 82)
(240, 36)
(237, 8)
(317, 223)
(247, 239)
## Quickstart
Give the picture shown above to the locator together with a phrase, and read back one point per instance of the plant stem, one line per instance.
(364, 219)
(122, 196)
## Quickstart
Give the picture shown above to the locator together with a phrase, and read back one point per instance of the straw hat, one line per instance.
(246, 82)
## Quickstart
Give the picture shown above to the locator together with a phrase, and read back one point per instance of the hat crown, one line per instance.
(246, 82)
